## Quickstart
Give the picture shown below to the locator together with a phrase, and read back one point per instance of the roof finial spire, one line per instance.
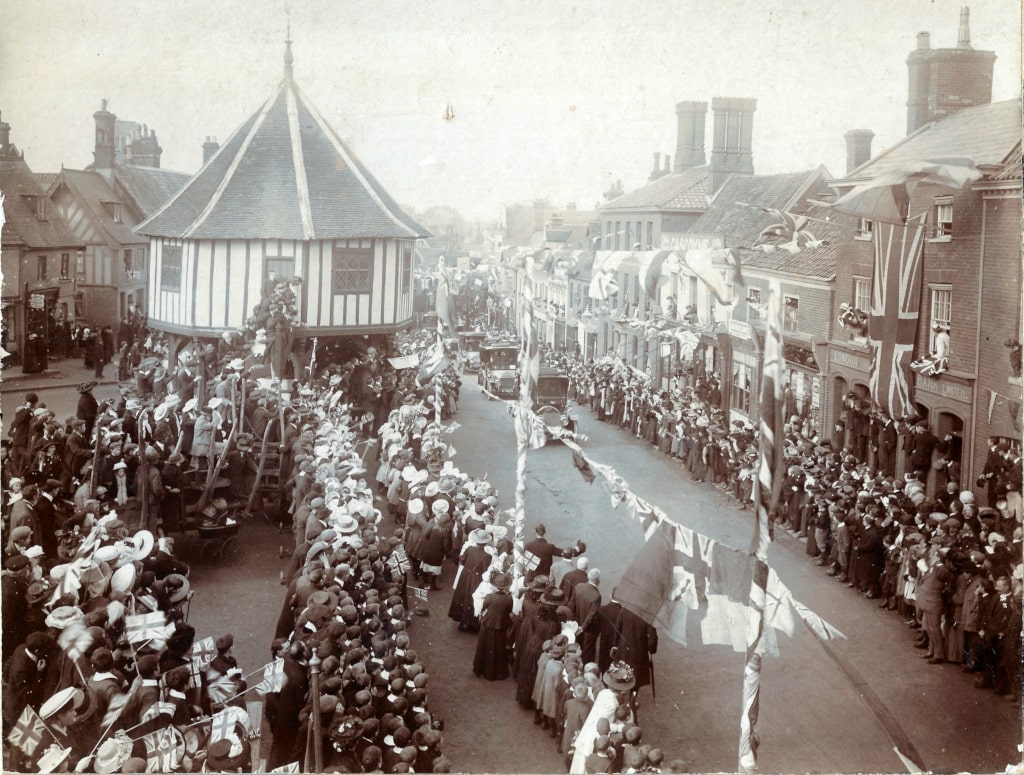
(288, 59)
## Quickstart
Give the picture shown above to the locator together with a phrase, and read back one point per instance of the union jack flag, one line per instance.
(398, 560)
(203, 651)
(162, 750)
(158, 709)
(223, 722)
(273, 678)
(895, 306)
(28, 733)
(293, 767)
(142, 627)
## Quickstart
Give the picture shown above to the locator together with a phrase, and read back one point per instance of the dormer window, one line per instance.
(114, 208)
(865, 227)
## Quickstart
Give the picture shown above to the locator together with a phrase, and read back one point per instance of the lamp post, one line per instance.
(314, 717)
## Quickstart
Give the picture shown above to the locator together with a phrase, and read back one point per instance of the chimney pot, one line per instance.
(858, 147)
(963, 38)
(668, 164)
(103, 104)
(691, 118)
(656, 170)
(924, 40)
(732, 143)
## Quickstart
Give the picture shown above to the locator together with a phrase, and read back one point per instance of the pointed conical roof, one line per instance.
(284, 174)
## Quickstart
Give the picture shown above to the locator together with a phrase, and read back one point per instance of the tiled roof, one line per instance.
(21, 225)
(1011, 169)
(687, 190)
(147, 187)
(740, 225)
(92, 192)
(984, 133)
(730, 217)
(256, 187)
(820, 262)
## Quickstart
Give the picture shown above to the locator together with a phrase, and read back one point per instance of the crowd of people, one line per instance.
(103, 673)
(919, 543)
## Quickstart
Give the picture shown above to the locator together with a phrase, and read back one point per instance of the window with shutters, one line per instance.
(352, 270)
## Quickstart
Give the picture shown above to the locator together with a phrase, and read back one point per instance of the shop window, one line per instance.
(352, 270)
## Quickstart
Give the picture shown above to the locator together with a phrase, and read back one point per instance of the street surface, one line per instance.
(819, 712)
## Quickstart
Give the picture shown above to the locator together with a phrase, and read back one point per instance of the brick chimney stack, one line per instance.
(145, 150)
(210, 147)
(858, 147)
(103, 154)
(943, 81)
(656, 169)
(691, 117)
(732, 144)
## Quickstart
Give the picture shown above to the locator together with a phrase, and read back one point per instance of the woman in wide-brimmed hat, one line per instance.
(491, 658)
(474, 561)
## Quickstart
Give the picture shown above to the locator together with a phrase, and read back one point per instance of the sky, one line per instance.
(548, 100)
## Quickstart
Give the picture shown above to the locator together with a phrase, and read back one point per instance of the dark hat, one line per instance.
(553, 597)
(85, 387)
(18, 562)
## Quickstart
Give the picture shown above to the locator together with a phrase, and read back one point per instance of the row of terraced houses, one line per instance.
(971, 266)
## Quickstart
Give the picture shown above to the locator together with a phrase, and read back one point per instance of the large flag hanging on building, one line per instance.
(895, 307)
(708, 263)
(603, 283)
(652, 264)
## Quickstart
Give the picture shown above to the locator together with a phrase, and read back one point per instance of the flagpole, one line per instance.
(766, 486)
(528, 354)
